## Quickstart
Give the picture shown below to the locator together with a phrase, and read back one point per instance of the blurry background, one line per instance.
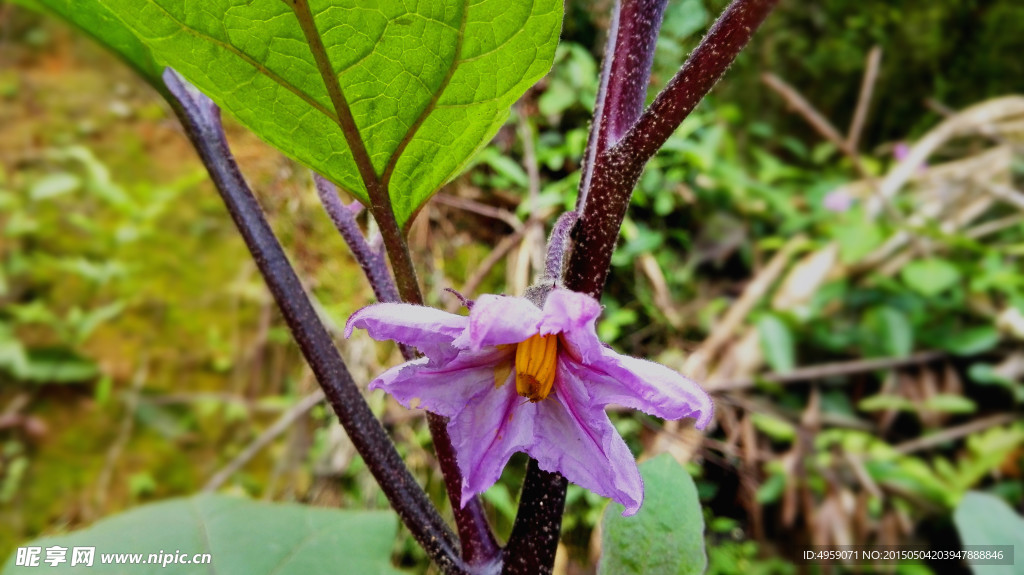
(833, 242)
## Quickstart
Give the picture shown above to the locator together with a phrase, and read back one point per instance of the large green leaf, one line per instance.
(241, 536)
(984, 519)
(427, 83)
(666, 537)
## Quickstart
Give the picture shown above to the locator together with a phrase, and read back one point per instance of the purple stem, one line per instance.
(534, 540)
(625, 73)
(557, 244)
(612, 167)
(201, 119)
(616, 171)
(372, 260)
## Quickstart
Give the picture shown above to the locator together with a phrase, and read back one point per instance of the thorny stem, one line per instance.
(470, 520)
(201, 119)
(617, 170)
(612, 167)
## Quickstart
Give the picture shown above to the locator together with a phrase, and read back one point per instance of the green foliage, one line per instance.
(241, 536)
(957, 52)
(983, 519)
(666, 536)
(729, 553)
(940, 482)
(930, 277)
(426, 87)
(31, 266)
(777, 342)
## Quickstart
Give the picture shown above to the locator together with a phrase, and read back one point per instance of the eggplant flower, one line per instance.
(515, 377)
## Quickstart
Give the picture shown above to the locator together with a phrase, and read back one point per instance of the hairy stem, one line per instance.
(534, 541)
(616, 171)
(625, 73)
(371, 259)
(201, 119)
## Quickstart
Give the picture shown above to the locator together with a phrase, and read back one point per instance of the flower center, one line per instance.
(535, 366)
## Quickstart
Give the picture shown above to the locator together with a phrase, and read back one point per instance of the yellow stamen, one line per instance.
(535, 366)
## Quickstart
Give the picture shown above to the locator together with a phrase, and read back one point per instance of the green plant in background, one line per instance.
(104, 220)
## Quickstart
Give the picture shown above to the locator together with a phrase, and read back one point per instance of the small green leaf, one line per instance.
(888, 332)
(885, 402)
(987, 374)
(54, 185)
(56, 365)
(983, 519)
(950, 403)
(777, 342)
(771, 490)
(666, 536)
(426, 84)
(774, 427)
(930, 277)
(241, 536)
(972, 341)
(857, 237)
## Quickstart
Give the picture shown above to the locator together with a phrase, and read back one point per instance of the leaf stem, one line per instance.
(380, 200)
(201, 119)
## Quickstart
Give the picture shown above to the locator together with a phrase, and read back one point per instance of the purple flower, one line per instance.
(514, 377)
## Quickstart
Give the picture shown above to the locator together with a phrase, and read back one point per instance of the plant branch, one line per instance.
(867, 87)
(283, 423)
(534, 540)
(201, 119)
(625, 73)
(616, 171)
(371, 260)
(822, 371)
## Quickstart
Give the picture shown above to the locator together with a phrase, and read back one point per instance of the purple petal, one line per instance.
(573, 315)
(443, 389)
(576, 438)
(644, 385)
(499, 320)
(492, 427)
(427, 329)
